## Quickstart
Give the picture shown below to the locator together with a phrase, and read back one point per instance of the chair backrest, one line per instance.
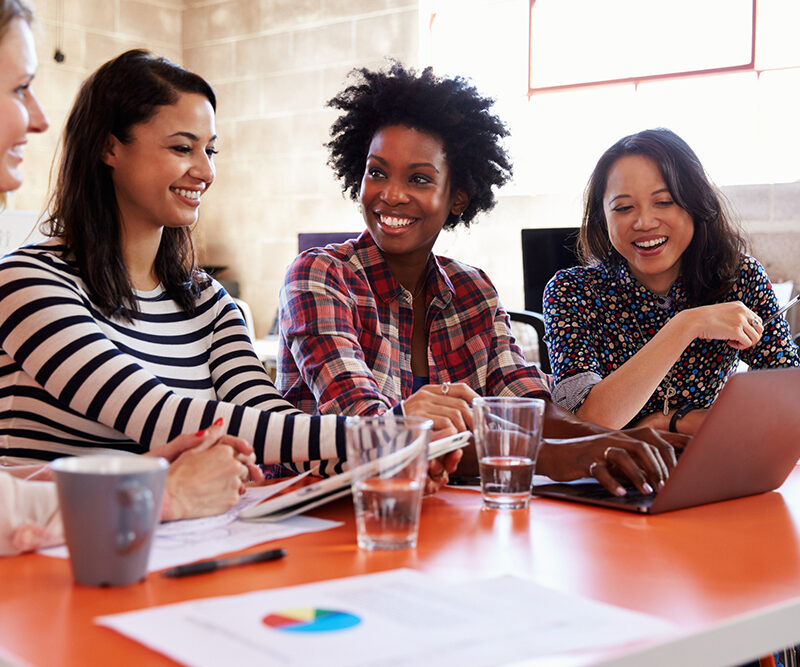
(306, 240)
(545, 251)
(536, 321)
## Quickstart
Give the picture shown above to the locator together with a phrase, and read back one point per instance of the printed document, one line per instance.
(399, 617)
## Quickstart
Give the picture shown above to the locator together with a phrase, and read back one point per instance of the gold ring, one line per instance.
(605, 453)
(445, 388)
(592, 466)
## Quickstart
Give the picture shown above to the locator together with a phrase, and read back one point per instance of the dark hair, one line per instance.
(711, 262)
(448, 108)
(13, 9)
(124, 92)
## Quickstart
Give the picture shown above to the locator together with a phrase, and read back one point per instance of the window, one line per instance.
(586, 42)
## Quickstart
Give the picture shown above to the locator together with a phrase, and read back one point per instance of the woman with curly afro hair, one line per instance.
(381, 323)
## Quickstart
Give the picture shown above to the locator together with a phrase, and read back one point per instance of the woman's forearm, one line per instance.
(618, 398)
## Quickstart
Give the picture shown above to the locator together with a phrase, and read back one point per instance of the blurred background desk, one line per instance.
(267, 351)
(697, 568)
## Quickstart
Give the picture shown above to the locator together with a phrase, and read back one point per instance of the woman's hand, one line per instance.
(207, 472)
(656, 420)
(687, 424)
(732, 321)
(203, 482)
(214, 435)
(448, 405)
(439, 471)
(641, 456)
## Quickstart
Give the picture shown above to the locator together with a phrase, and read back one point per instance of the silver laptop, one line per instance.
(748, 443)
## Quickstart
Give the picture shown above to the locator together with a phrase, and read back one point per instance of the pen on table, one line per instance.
(203, 566)
(782, 309)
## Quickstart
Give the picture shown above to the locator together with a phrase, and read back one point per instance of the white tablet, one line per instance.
(309, 497)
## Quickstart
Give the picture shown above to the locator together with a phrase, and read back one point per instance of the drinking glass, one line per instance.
(388, 459)
(507, 436)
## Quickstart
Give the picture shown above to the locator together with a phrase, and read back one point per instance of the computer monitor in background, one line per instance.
(306, 240)
(545, 251)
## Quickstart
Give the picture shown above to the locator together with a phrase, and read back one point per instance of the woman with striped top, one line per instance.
(207, 467)
(111, 339)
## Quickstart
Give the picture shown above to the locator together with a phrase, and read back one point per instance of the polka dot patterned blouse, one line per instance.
(596, 318)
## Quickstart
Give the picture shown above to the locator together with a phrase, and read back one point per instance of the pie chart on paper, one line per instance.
(310, 619)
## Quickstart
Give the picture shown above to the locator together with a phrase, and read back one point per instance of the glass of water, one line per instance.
(507, 436)
(388, 459)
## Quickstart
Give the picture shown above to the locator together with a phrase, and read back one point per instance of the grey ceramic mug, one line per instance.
(110, 506)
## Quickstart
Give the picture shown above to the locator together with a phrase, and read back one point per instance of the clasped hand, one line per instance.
(207, 473)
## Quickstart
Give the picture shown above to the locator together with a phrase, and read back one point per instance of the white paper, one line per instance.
(406, 618)
(180, 542)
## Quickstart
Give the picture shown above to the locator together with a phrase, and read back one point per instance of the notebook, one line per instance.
(748, 443)
(308, 497)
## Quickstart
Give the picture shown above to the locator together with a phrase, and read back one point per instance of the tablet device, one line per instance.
(314, 495)
(747, 444)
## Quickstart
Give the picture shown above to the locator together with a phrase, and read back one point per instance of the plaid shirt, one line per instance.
(346, 324)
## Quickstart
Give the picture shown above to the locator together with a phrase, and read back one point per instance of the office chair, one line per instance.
(535, 320)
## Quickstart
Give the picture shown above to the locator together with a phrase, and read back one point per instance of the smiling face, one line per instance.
(20, 112)
(645, 225)
(406, 194)
(161, 173)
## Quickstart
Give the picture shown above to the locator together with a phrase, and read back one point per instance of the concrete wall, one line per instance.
(91, 33)
(274, 63)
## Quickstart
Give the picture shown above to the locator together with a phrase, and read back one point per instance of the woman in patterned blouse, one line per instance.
(667, 303)
(382, 323)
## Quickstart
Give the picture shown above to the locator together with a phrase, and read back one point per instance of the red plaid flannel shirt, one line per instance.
(345, 342)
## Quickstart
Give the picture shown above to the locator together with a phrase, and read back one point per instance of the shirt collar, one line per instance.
(626, 280)
(385, 286)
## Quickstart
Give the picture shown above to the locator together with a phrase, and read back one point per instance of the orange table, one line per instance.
(698, 568)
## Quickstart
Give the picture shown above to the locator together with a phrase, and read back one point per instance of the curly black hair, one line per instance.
(448, 108)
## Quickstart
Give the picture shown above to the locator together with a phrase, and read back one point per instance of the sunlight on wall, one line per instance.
(743, 125)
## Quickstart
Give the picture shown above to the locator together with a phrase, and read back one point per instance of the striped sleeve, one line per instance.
(72, 380)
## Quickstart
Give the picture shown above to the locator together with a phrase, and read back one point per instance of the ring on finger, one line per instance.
(445, 388)
(755, 321)
(605, 453)
(592, 467)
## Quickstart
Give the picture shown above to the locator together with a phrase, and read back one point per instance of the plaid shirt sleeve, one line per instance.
(319, 319)
(509, 373)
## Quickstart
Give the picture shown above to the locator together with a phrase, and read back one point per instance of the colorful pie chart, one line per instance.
(310, 620)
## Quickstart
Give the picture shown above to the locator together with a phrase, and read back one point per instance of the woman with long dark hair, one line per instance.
(111, 338)
(667, 301)
(207, 467)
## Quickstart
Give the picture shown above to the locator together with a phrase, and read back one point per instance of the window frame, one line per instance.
(636, 80)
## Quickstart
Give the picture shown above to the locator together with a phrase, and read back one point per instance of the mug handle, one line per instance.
(136, 507)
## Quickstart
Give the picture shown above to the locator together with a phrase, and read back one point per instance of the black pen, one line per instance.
(203, 566)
